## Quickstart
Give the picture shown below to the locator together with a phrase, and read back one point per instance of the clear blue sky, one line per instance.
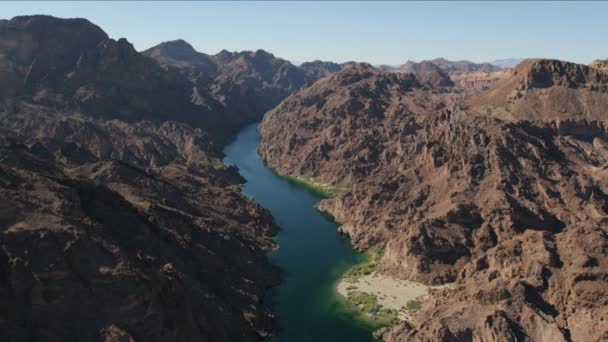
(375, 32)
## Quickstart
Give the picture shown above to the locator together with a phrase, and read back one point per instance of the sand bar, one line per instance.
(392, 293)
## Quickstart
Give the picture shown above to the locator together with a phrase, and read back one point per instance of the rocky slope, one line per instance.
(464, 74)
(428, 71)
(481, 80)
(548, 90)
(319, 69)
(506, 198)
(72, 65)
(243, 85)
(600, 64)
(118, 220)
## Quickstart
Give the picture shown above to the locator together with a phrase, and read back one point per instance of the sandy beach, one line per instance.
(392, 293)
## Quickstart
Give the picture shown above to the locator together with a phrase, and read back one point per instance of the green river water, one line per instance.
(311, 254)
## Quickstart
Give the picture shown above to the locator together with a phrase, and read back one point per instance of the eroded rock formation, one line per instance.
(118, 221)
(241, 85)
(503, 196)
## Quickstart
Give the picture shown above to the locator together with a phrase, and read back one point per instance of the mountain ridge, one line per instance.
(243, 84)
(120, 222)
(455, 191)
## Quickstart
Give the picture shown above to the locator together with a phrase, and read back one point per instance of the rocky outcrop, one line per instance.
(511, 211)
(180, 54)
(547, 90)
(161, 249)
(119, 221)
(319, 69)
(600, 64)
(480, 80)
(428, 72)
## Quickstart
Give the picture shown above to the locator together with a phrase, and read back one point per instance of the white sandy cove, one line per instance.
(392, 293)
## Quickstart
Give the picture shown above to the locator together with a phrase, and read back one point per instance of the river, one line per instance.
(311, 254)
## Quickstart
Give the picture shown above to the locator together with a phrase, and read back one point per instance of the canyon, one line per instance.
(120, 220)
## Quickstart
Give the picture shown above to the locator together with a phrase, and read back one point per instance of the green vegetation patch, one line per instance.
(368, 304)
(364, 301)
(235, 187)
(366, 267)
(215, 163)
(413, 305)
(315, 186)
(390, 316)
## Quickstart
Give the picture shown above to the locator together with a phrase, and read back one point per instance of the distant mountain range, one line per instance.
(506, 62)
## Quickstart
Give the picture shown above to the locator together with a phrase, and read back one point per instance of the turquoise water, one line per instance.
(311, 254)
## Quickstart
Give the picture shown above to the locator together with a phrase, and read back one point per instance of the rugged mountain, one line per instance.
(73, 65)
(244, 84)
(600, 64)
(254, 82)
(450, 66)
(480, 80)
(428, 72)
(458, 188)
(123, 229)
(118, 220)
(543, 89)
(462, 73)
(199, 67)
(319, 69)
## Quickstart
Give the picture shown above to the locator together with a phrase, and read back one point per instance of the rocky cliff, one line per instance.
(480, 80)
(118, 221)
(319, 69)
(547, 90)
(243, 85)
(600, 64)
(505, 198)
(71, 65)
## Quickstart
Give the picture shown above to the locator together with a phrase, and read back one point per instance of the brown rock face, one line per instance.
(161, 251)
(116, 223)
(319, 69)
(428, 72)
(481, 80)
(548, 90)
(463, 188)
(243, 85)
(600, 64)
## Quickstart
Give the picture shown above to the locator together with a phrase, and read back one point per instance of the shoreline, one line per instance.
(324, 191)
(305, 295)
(381, 299)
(391, 293)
